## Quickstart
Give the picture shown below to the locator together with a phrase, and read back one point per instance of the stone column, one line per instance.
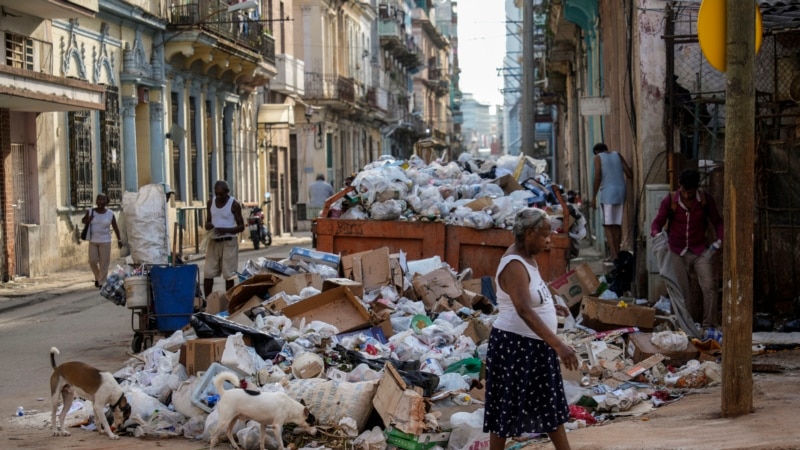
(227, 144)
(129, 142)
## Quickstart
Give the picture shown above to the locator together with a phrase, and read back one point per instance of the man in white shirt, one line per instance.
(224, 217)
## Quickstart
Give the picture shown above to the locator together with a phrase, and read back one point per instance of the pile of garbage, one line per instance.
(387, 352)
(469, 192)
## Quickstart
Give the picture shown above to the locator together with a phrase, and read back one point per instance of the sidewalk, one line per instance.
(79, 278)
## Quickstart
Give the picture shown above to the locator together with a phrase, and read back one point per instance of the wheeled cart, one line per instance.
(161, 302)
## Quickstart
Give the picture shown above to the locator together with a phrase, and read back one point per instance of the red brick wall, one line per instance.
(6, 199)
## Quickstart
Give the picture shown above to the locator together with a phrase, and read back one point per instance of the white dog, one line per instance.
(266, 408)
(100, 388)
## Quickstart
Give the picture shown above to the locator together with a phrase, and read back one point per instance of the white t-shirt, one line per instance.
(100, 227)
(508, 319)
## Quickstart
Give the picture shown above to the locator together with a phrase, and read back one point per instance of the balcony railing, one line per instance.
(213, 17)
(329, 87)
(27, 53)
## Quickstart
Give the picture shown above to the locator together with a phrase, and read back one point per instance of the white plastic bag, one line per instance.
(670, 341)
(236, 355)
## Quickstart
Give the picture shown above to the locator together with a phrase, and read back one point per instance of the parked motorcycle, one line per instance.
(259, 231)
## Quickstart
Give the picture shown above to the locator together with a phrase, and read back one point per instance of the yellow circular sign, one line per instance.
(711, 26)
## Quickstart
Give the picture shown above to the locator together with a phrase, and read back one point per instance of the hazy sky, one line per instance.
(481, 46)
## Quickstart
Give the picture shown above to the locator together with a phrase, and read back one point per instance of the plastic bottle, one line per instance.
(712, 249)
(20, 411)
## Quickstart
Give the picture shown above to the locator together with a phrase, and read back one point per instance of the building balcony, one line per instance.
(291, 76)
(52, 9)
(399, 43)
(378, 98)
(331, 90)
(234, 29)
(27, 82)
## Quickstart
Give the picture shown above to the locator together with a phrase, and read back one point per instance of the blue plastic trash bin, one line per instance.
(173, 295)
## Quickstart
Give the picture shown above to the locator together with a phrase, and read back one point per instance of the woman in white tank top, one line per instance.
(524, 391)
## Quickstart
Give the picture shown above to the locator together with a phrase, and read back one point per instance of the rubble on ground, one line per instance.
(390, 352)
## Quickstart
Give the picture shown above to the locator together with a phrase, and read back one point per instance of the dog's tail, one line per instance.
(219, 382)
(53, 352)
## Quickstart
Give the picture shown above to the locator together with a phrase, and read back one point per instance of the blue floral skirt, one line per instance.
(524, 391)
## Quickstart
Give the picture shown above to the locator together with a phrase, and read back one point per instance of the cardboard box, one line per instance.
(337, 307)
(575, 284)
(294, 284)
(398, 406)
(314, 256)
(508, 183)
(347, 263)
(199, 354)
(216, 302)
(640, 348)
(258, 285)
(398, 439)
(276, 303)
(603, 315)
(355, 287)
(372, 269)
(242, 315)
(437, 288)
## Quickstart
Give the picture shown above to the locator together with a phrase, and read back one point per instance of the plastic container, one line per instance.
(173, 295)
(205, 391)
(137, 292)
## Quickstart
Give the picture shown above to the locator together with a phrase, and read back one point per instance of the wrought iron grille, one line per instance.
(110, 151)
(176, 149)
(80, 156)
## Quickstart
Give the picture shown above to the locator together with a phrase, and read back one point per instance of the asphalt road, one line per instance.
(82, 324)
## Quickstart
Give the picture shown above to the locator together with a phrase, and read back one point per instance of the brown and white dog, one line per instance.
(267, 408)
(100, 388)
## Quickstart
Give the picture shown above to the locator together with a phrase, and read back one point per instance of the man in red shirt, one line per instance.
(687, 213)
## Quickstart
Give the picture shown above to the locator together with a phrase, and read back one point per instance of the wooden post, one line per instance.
(737, 292)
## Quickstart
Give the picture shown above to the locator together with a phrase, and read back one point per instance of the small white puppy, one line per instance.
(98, 387)
(267, 408)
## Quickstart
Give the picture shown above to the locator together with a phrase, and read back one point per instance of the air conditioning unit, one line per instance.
(144, 94)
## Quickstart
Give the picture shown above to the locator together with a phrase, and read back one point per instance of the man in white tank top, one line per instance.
(224, 220)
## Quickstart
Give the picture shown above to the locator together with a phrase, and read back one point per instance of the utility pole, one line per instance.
(737, 291)
(528, 125)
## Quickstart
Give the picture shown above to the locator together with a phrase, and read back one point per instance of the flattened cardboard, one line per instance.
(396, 266)
(355, 287)
(242, 316)
(575, 284)
(294, 284)
(259, 285)
(640, 348)
(337, 307)
(479, 204)
(437, 287)
(604, 315)
(398, 406)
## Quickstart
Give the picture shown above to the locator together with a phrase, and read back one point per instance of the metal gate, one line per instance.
(695, 115)
(19, 167)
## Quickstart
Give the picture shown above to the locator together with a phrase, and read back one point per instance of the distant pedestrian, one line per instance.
(100, 221)
(318, 193)
(224, 217)
(687, 214)
(610, 172)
